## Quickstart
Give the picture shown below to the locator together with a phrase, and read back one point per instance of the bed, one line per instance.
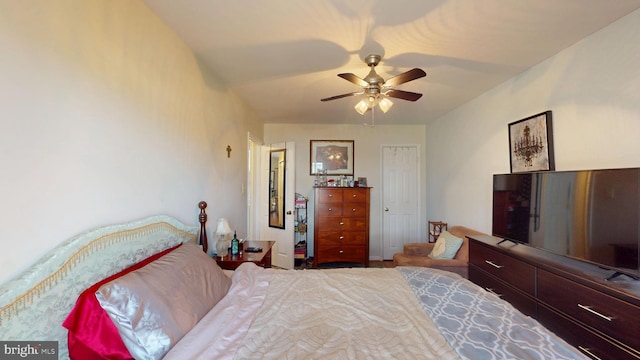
(166, 298)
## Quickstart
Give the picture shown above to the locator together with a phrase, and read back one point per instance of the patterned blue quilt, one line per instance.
(480, 325)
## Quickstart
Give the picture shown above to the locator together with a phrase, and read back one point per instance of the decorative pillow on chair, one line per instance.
(446, 247)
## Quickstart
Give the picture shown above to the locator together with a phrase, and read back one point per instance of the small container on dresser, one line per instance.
(341, 230)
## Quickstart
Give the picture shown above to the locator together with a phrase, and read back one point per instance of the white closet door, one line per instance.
(400, 198)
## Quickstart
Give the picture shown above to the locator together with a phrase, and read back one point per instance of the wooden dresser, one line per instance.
(571, 298)
(341, 225)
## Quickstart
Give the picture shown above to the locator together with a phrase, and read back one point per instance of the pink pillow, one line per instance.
(92, 334)
(155, 306)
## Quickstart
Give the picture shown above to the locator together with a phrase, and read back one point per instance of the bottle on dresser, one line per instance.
(235, 245)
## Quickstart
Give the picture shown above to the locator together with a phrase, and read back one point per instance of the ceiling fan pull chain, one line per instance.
(373, 116)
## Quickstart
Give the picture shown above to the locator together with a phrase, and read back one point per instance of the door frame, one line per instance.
(254, 146)
(283, 249)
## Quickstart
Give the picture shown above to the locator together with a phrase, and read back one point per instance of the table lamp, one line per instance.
(222, 231)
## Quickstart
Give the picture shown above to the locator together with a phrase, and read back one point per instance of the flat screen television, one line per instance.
(589, 215)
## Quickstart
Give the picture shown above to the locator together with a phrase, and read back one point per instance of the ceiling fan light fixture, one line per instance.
(362, 106)
(376, 89)
(385, 104)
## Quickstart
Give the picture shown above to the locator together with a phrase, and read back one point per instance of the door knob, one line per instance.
(289, 212)
(386, 209)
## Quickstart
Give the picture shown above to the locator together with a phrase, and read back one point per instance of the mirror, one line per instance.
(276, 188)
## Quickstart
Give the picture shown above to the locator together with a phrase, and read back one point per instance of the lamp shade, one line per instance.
(362, 107)
(385, 104)
(223, 227)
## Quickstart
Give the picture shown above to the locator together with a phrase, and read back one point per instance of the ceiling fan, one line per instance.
(376, 89)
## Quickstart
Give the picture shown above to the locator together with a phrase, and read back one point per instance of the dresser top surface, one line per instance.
(586, 273)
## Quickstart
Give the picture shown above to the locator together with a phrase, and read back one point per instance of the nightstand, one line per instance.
(263, 258)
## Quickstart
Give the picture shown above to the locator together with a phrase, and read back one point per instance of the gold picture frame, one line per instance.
(334, 156)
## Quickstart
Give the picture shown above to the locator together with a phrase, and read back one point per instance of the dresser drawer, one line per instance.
(342, 238)
(512, 271)
(342, 224)
(355, 195)
(324, 196)
(354, 210)
(605, 313)
(342, 254)
(590, 343)
(522, 302)
(329, 210)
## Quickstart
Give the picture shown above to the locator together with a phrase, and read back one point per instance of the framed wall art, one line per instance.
(531, 143)
(334, 156)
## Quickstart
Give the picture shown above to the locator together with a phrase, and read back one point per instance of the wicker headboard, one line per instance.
(34, 305)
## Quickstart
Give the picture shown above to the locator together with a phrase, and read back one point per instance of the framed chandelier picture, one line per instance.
(531, 143)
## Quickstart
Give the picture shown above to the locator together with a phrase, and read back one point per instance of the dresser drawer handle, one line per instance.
(341, 237)
(341, 223)
(494, 264)
(589, 309)
(588, 352)
(330, 209)
(490, 290)
(354, 210)
(341, 252)
(330, 195)
(355, 195)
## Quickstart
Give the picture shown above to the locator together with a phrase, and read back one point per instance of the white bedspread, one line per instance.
(219, 334)
(315, 315)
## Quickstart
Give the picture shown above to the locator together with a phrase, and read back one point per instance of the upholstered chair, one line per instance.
(417, 254)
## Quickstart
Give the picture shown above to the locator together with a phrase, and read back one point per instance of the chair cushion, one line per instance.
(446, 246)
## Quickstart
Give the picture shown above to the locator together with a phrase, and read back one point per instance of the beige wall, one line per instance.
(593, 89)
(108, 117)
(367, 161)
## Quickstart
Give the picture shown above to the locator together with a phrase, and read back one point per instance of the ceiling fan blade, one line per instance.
(405, 77)
(354, 79)
(342, 96)
(404, 95)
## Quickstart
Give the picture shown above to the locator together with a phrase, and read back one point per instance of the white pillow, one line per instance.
(446, 247)
(155, 306)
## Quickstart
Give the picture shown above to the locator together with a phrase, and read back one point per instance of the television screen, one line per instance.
(590, 215)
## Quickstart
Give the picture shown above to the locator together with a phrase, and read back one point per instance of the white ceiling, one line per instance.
(282, 56)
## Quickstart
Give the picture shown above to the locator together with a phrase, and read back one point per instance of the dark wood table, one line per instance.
(263, 258)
